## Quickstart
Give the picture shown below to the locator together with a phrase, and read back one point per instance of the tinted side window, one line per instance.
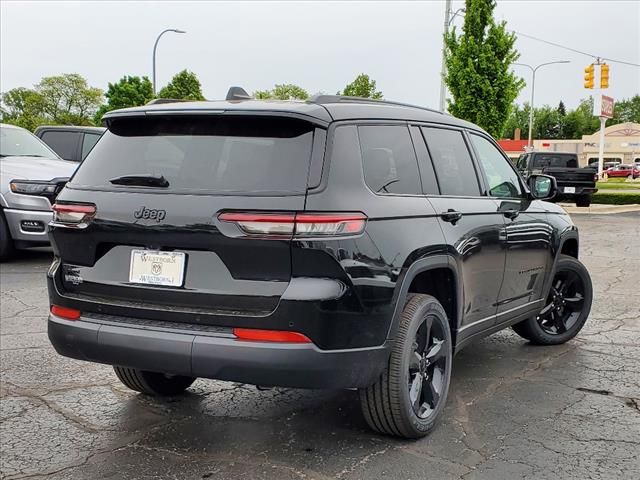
(452, 161)
(501, 178)
(389, 161)
(90, 139)
(64, 144)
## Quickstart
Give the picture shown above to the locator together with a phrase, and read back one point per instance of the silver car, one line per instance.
(31, 175)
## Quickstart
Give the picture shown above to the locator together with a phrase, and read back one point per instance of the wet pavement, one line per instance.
(515, 411)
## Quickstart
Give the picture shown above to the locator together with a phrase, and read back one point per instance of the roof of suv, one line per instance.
(323, 110)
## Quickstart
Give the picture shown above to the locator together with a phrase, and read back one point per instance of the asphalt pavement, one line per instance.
(515, 411)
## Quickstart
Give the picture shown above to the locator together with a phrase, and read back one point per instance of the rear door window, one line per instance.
(389, 160)
(90, 139)
(225, 155)
(63, 143)
(452, 162)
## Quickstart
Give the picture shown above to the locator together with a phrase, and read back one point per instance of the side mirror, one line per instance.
(542, 187)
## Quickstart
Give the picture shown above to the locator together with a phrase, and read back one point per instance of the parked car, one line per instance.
(333, 243)
(606, 163)
(574, 184)
(31, 176)
(70, 143)
(624, 171)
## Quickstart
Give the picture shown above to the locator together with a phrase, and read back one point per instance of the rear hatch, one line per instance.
(155, 242)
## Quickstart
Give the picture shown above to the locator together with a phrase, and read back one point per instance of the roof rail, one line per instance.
(159, 101)
(238, 93)
(323, 99)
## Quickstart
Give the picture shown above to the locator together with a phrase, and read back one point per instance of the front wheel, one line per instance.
(412, 390)
(153, 383)
(6, 243)
(567, 307)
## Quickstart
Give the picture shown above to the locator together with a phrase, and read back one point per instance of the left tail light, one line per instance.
(72, 215)
(65, 312)
(296, 225)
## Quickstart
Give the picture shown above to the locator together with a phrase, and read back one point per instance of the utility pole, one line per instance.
(443, 70)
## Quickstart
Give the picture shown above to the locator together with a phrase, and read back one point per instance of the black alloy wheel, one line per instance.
(564, 305)
(566, 309)
(427, 368)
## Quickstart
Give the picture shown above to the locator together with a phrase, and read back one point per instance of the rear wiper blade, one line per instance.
(141, 181)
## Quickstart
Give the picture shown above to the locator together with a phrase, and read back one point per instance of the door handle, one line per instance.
(511, 214)
(452, 216)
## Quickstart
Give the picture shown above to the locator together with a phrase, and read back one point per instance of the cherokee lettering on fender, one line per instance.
(145, 213)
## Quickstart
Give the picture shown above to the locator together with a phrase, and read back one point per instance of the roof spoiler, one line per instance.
(238, 93)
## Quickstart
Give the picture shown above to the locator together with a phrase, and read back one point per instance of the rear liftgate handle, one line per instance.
(452, 216)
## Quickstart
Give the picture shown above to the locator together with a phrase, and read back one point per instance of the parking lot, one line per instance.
(514, 411)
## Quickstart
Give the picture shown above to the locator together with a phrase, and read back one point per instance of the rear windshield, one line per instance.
(216, 154)
(563, 161)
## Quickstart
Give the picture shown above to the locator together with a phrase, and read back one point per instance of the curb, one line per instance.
(599, 209)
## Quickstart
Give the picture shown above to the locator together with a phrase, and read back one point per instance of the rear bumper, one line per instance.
(579, 191)
(22, 225)
(215, 355)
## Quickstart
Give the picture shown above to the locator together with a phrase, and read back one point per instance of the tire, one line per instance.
(565, 313)
(152, 383)
(583, 201)
(6, 243)
(386, 405)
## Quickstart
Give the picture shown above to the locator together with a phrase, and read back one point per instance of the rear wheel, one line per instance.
(566, 309)
(583, 201)
(153, 383)
(412, 391)
(6, 243)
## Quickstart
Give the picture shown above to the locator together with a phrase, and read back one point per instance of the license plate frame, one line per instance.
(157, 268)
(569, 190)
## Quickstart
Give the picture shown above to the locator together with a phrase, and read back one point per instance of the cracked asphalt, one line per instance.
(515, 411)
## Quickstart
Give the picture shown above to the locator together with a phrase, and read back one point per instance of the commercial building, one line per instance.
(621, 144)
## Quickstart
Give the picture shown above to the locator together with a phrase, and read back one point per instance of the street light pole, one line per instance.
(155, 47)
(533, 91)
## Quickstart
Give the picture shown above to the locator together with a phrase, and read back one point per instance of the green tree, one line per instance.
(285, 91)
(68, 99)
(362, 86)
(63, 99)
(626, 111)
(126, 92)
(581, 121)
(23, 107)
(183, 86)
(478, 68)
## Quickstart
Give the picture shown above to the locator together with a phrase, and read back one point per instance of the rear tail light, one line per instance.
(251, 334)
(73, 215)
(298, 225)
(65, 312)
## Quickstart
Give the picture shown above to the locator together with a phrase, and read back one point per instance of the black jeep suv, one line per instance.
(332, 243)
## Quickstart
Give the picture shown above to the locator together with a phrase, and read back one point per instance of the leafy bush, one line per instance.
(617, 198)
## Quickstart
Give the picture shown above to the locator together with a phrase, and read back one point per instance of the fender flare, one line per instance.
(571, 234)
(419, 266)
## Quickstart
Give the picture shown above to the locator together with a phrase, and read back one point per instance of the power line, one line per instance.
(569, 48)
(573, 49)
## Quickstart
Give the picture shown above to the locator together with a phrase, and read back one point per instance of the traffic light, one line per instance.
(589, 76)
(604, 76)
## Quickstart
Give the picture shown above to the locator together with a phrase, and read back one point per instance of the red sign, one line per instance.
(606, 107)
